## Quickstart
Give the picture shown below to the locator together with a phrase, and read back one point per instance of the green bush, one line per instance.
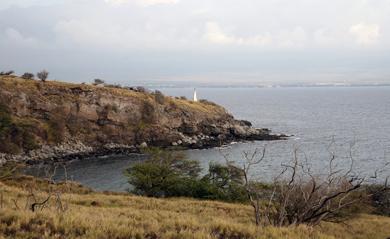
(159, 97)
(28, 76)
(379, 199)
(15, 136)
(204, 101)
(224, 183)
(165, 174)
(56, 123)
(148, 112)
(170, 174)
(5, 119)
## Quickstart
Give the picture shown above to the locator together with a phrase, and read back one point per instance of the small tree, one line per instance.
(170, 174)
(141, 89)
(98, 81)
(43, 75)
(7, 73)
(28, 76)
(224, 183)
(165, 174)
(159, 97)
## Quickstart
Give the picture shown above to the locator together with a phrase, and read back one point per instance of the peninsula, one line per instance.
(54, 120)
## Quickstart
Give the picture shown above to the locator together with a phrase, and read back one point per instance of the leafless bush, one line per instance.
(253, 188)
(298, 196)
(43, 75)
(39, 198)
(54, 196)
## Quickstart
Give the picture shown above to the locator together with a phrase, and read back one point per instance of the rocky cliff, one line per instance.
(52, 119)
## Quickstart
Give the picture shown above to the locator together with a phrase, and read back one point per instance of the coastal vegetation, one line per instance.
(172, 196)
(73, 211)
(170, 174)
(296, 196)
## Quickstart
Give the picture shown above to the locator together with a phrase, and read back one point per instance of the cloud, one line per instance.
(12, 36)
(188, 36)
(365, 34)
(324, 37)
(112, 35)
(4, 4)
(144, 3)
(118, 2)
(214, 34)
(81, 32)
(155, 2)
(291, 38)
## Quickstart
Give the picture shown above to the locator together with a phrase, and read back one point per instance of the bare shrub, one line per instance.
(43, 75)
(54, 193)
(300, 197)
(42, 194)
(297, 195)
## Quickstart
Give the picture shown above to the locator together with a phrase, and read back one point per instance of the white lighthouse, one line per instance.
(195, 97)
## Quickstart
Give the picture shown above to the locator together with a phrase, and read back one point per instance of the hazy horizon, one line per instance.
(189, 42)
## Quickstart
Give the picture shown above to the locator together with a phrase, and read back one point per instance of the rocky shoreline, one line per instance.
(77, 150)
(58, 121)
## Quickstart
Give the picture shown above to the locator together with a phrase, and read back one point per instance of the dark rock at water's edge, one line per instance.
(51, 121)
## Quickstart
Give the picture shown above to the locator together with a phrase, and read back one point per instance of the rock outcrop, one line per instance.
(52, 119)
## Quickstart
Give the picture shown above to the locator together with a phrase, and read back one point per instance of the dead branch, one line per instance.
(39, 203)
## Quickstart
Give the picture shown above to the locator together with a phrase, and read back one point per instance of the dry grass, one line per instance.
(13, 82)
(17, 83)
(199, 106)
(99, 215)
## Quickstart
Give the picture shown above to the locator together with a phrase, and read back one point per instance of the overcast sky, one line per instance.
(207, 41)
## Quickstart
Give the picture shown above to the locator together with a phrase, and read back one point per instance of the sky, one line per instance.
(205, 42)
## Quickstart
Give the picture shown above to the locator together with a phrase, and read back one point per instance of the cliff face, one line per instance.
(34, 114)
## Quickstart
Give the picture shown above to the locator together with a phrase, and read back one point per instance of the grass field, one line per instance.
(107, 215)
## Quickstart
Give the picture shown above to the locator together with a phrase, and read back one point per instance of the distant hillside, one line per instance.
(82, 117)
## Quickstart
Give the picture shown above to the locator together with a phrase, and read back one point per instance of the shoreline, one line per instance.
(77, 150)
(58, 121)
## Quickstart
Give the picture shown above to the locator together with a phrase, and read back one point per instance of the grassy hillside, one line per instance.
(14, 83)
(99, 215)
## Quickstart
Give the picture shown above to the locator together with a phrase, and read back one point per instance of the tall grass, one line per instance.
(104, 215)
